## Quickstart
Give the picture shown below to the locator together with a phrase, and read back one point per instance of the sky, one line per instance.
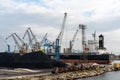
(46, 16)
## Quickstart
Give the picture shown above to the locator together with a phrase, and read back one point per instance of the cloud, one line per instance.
(108, 24)
(112, 40)
(47, 15)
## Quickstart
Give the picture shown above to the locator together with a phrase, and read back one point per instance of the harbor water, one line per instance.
(114, 75)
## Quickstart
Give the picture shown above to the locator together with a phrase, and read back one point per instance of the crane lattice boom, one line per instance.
(62, 29)
(74, 37)
(23, 46)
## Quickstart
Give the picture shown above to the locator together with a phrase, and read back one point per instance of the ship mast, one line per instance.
(95, 41)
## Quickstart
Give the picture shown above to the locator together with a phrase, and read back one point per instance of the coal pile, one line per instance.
(37, 60)
(7, 60)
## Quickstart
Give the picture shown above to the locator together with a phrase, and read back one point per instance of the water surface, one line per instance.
(114, 75)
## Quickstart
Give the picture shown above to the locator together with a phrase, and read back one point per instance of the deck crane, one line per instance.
(23, 47)
(32, 38)
(59, 38)
(73, 40)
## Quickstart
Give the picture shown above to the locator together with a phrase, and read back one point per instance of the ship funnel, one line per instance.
(101, 41)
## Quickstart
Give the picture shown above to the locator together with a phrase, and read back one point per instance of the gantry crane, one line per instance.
(73, 40)
(23, 47)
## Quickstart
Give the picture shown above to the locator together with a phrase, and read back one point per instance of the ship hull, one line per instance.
(80, 58)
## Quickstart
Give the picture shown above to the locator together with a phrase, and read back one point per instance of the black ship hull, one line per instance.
(88, 58)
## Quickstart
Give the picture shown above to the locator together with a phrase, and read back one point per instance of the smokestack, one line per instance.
(101, 41)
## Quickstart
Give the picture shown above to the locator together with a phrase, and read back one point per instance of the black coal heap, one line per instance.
(29, 60)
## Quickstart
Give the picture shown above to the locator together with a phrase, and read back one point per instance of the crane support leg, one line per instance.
(57, 49)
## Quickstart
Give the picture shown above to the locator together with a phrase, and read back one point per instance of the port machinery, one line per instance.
(72, 64)
(72, 61)
(84, 60)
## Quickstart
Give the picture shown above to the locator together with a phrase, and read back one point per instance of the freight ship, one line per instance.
(100, 57)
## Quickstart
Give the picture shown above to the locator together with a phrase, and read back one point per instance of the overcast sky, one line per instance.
(102, 16)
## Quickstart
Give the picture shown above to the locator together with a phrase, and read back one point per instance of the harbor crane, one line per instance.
(30, 39)
(48, 46)
(73, 41)
(59, 38)
(5, 42)
(33, 36)
(35, 45)
(44, 38)
(23, 47)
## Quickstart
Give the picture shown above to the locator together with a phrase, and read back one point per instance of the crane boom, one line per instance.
(23, 47)
(43, 39)
(16, 42)
(32, 34)
(29, 37)
(62, 29)
(19, 38)
(73, 40)
(25, 34)
(35, 45)
(74, 37)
